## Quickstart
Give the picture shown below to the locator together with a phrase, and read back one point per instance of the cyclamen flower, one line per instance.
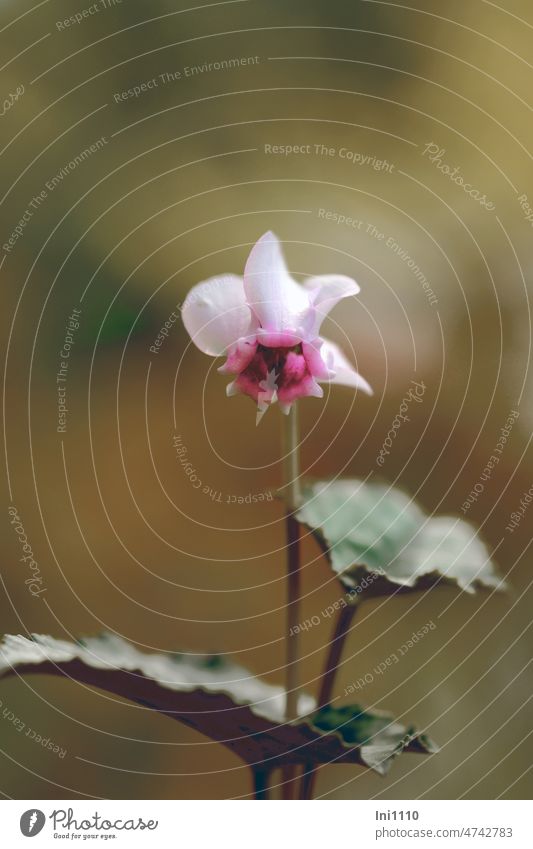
(268, 327)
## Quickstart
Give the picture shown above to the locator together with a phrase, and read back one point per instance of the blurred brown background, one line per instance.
(178, 190)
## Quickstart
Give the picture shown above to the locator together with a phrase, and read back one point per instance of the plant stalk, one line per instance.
(327, 682)
(291, 494)
(260, 780)
(291, 491)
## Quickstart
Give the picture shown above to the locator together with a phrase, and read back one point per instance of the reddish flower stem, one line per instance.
(291, 492)
(336, 645)
(260, 781)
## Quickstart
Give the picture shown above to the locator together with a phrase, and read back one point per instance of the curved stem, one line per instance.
(336, 645)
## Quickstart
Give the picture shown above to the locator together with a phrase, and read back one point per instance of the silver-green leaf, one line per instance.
(220, 699)
(378, 539)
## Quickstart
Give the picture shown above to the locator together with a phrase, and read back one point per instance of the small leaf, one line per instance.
(378, 737)
(219, 699)
(377, 539)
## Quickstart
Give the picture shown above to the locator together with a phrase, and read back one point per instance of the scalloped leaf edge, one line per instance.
(211, 706)
(383, 582)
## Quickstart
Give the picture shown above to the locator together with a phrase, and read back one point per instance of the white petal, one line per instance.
(216, 314)
(326, 291)
(345, 373)
(279, 302)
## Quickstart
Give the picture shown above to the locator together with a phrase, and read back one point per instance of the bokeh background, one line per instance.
(178, 190)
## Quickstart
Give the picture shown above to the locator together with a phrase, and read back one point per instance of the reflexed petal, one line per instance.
(279, 302)
(345, 373)
(325, 291)
(216, 314)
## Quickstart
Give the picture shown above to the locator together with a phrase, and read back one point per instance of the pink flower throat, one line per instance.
(283, 371)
